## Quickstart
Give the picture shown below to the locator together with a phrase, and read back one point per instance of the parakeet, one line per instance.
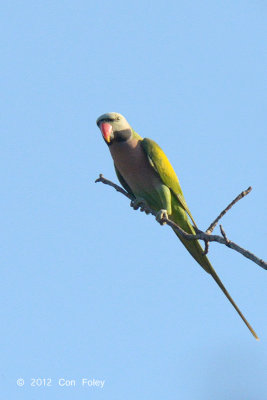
(146, 173)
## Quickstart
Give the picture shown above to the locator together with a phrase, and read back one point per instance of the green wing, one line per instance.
(163, 167)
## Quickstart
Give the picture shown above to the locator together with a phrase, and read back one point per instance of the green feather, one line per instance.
(163, 167)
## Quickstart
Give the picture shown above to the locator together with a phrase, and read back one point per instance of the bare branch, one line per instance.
(207, 245)
(239, 197)
(200, 235)
(116, 187)
(224, 235)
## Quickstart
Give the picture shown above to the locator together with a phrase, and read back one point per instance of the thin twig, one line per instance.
(239, 197)
(200, 235)
(117, 187)
(224, 235)
(206, 250)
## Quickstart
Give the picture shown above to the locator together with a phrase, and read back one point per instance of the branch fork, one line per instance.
(206, 236)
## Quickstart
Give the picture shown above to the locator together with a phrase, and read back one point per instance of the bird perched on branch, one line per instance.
(146, 173)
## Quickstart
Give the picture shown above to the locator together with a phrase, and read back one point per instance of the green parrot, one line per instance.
(146, 173)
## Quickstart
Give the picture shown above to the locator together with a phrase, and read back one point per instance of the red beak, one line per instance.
(106, 130)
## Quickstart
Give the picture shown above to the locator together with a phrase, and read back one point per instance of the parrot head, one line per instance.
(114, 128)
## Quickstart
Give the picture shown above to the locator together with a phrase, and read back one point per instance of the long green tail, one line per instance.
(195, 249)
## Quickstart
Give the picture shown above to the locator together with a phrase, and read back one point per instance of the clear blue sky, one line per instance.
(90, 288)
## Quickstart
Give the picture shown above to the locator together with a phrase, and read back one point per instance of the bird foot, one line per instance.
(139, 203)
(161, 216)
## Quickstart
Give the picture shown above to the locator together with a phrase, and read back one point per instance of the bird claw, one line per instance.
(138, 203)
(161, 216)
